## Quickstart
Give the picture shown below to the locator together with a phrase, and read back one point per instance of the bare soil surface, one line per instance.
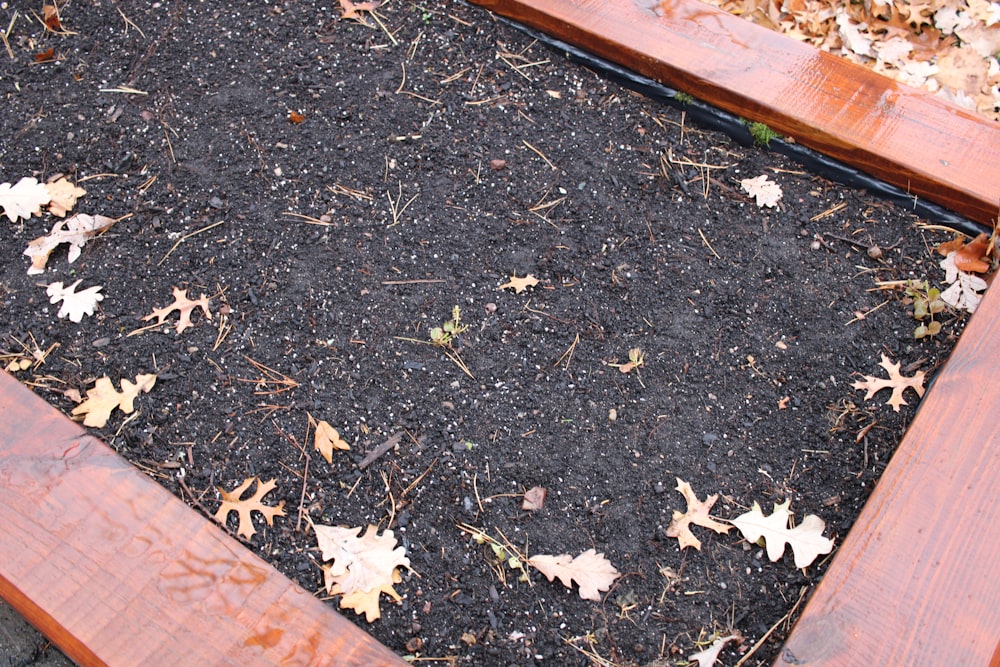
(440, 153)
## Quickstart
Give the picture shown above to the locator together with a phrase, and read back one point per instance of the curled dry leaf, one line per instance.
(23, 199)
(74, 304)
(63, 196)
(184, 306)
(697, 514)
(896, 382)
(806, 539)
(534, 499)
(767, 193)
(969, 257)
(963, 293)
(362, 567)
(75, 231)
(327, 439)
(351, 9)
(591, 571)
(102, 399)
(520, 284)
(710, 656)
(231, 502)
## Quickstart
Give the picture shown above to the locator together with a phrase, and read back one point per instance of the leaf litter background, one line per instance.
(510, 161)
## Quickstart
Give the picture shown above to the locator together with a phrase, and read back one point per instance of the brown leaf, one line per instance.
(102, 399)
(697, 514)
(231, 502)
(520, 284)
(362, 567)
(351, 9)
(327, 439)
(46, 56)
(63, 196)
(591, 571)
(50, 15)
(896, 382)
(184, 306)
(75, 231)
(296, 117)
(969, 258)
(534, 499)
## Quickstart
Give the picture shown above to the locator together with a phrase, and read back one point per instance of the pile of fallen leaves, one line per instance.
(947, 47)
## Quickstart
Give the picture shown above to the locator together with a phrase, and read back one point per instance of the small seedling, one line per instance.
(762, 134)
(926, 304)
(636, 359)
(683, 98)
(443, 335)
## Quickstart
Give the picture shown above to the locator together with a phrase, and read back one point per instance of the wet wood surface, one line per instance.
(117, 571)
(913, 140)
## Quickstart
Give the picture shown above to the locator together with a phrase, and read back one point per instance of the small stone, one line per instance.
(498, 165)
(612, 415)
(101, 342)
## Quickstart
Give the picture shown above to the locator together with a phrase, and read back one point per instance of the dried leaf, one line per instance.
(806, 539)
(75, 231)
(963, 293)
(534, 499)
(24, 199)
(74, 304)
(697, 514)
(896, 382)
(362, 567)
(50, 15)
(46, 56)
(591, 571)
(767, 193)
(102, 399)
(231, 502)
(327, 439)
(520, 284)
(296, 117)
(184, 306)
(351, 9)
(63, 196)
(970, 257)
(710, 656)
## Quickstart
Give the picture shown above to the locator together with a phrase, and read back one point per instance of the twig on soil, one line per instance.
(186, 237)
(828, 212)
(858, 316)
(339, 189)
(5, 35)
(760, 642)
(395, 208)
(305, 473)
(128, 22)
(541, 155)
(310, 220)
(400, 91)
(568, 354)
(707, 244)
(270, 377)
(374, 454)
(415, 281)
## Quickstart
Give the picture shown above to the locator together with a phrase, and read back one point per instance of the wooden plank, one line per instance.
(117, 571)
(915, 141)
(914, 582)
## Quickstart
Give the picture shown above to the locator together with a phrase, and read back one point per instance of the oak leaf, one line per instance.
(697, 514)
(591, 571)
(23, 199)
(519, 284)
(970, 257)
(963, 293)
(710, 655)
(896, 382)
(184, 306)
(362, 567)
(806, 539)
(75, 231)
(62, 196)
(102, 398)
(231, 502)
(74, 304)
(351, 9)
(767, 193)
(326, 439)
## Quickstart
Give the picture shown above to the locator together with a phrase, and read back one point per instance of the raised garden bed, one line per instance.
(638, 233)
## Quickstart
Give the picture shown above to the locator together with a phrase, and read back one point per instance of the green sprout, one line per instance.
(443, 335)
(762, 134)
(683, 97)
(927, 303)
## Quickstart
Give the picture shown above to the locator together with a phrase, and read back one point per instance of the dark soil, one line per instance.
(751, 335)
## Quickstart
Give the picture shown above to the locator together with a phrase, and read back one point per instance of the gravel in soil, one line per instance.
(436, 154)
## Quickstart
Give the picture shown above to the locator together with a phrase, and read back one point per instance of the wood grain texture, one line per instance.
(910, 139)
(117, 571)
(915, 581)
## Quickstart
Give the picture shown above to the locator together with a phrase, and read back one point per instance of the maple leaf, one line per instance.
(74, 304)
(709, 656)
(806, 539)
(896, 381)
(697, 513)
(184, 306)
(963, 293)
(591, 571)
(351, 9)
(362, 567)
(327, 439)
(24, 199)
(75, 231)
(102, 398)
(520, 284)
(231, 502)
(767, 193)
(62, 196)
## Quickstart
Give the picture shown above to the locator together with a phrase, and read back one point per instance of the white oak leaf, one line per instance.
(102, 399)
(74, 304)
(767, 193)
(183, 305)
(697, 513)
(23, 199)
(75, 231)
(710, 656)
(326, 439)
(231, 502)
(806, 539)
(362, 567)
(591, 571)
(896, 381)
(963, 293)
(62, 196)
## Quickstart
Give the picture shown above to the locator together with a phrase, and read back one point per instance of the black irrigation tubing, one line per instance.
(737, 128)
